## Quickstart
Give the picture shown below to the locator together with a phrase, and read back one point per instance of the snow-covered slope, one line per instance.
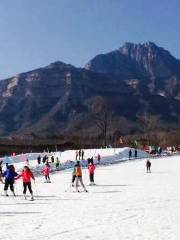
(67, 158)
(127, 203)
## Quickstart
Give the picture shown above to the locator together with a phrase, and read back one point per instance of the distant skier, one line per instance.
(57, 163)
(26, 175)
(91, 169)
(148, 166)
(79, 154)
(44, 159)
(39, 160)
(46, 172)
(130, 154)
(99, 158)
(78, 173)
(135, 153)
(9, 176)
(82, 154)
(52, 159)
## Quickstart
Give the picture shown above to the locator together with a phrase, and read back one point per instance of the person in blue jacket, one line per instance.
(9, 176)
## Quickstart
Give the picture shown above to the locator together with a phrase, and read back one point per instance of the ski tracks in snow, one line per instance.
(127, 203)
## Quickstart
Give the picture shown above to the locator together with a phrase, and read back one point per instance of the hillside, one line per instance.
(62, 99)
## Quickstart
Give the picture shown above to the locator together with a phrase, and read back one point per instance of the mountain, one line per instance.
(53, 99)
(58, 99)
(151, 65)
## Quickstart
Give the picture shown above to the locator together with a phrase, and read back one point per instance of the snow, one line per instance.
(127, 203)
(67, 158)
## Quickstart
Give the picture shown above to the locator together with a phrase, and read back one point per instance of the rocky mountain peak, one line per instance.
(58, 64)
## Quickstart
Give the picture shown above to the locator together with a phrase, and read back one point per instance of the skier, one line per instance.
(26, 177)
(148, 166)
(135, 153)
(79, 154)
(9, 176)
(57, 163)
(52, 159)
(46, 172)
(99, 158)
(39, 160)
(130, 154)
(78, 173)
(91, 169)
(82, 154)
(44, 159)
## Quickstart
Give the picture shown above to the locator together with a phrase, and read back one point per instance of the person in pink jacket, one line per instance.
(26, 176)
(46, 172)
(91, 169)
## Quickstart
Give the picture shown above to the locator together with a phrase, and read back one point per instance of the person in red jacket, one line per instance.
(27, 175)
(91, 169)
(46, 172)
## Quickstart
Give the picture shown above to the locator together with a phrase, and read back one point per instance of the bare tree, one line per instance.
(148, 123)
(101, 116)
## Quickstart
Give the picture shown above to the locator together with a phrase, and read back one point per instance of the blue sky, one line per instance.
(34, 33)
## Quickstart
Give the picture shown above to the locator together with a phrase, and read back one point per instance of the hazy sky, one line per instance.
(34, 33)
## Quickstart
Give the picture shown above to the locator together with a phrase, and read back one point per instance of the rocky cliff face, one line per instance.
(147, 62)
(56, 99)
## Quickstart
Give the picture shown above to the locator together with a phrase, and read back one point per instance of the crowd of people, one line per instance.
(158, 150)
(10, 175)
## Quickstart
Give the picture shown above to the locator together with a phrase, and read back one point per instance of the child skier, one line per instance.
(46, 172)
(91, 169)
(57, 163)
(26, 177)
(78, 173)
(148, 166)
(9, 176)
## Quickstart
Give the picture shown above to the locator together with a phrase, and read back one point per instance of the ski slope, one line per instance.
(127, 203)
(67, 158)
